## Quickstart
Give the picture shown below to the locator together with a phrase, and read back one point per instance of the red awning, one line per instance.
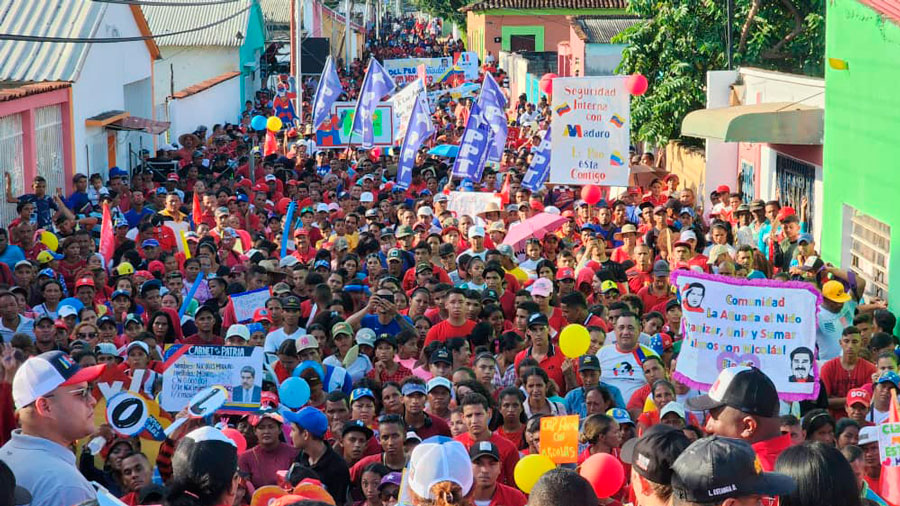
(140, 125)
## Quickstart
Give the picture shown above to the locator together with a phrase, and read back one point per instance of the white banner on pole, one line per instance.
(403, 70)
(470, 203)
(404, 101)
(590, 124)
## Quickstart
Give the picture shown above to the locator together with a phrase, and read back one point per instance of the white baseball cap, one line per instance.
(238, 330)
(138, 344)
(365, 336)
(673, 407)
(425, 211)
(868, 435)
(366, 197)
(439, 459)
(288, 261)
(40, 375)
(439, 381)
(67, 310)
(476, 231)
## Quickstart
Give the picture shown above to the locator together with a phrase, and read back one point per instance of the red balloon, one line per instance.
(605, 473)
(636, 84)
(237, 437)
(591, 194)
(546, 83)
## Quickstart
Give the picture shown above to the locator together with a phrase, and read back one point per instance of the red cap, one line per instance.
(537, 205)
(292, 182)
(723, 188)
(60, 324)
(636, 190)
(156, 266)
(84, 282)
(785, 212)
(670, 176)
(144, 274)
(245, 182)
(262, 314)
(261, 188)
(859, 395)
(585, 275)
(301, 231)
(568, 214)
(667, 341)
(682, 265)
(565, 273)
(173, 177)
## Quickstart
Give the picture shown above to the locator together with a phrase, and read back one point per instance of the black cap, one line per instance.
(441, 355)
(359, 426)
(715, 468)
(446, 249)
(388, 338)
(290, 302)
(588, 363)
(489, 294)
(653, 454)
(743, 388)
(537, 319)
(482, 448)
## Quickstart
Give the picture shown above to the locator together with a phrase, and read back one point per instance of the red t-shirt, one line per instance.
(839, 381)
(509, 455)
(638, 398)
(507, 496)
(650, 299)
(397, 376)
(444, 330)
(515, 438)
(551, 364)
(768, 451)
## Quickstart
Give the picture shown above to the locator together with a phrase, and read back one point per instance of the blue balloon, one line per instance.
(258, 122)
(294, 392)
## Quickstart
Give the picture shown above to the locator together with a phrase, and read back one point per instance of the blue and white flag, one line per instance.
(376, 84)
(474, 146)
(540, 165)
(327, 93)
(419, 128)
(493, 104)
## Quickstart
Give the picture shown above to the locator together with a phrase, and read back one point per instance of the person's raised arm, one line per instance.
(356, 318)
(10, 199)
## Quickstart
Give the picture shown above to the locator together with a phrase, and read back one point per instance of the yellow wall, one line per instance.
(689, 164)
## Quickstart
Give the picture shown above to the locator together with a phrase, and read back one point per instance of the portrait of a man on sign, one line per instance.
(801, 365)
(692, 297)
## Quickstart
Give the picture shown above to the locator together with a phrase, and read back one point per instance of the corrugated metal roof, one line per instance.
(600, 29)
(484, 5)
(41, 61)
(276, 12)
(168, 18)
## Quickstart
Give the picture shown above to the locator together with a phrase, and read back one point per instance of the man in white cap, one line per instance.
(55, 407)
(476, 239)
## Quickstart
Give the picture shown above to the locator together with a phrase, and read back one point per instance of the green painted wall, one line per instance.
(254, 42)
(862, 121)
(508, 31)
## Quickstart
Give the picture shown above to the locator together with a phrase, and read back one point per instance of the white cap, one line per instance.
(365, 336)
(412, 435)
(209, 433)
(67, 310)
(333, 206)
(439, 381)
(868, 435)
(552, 210)
(306, 342)
(433, 463)
(288, 261)
(476, 231)
(40, 375)
(238, 330)
(322, 207)
(687, 235)
(366, 197)
(673, 407)
(425, 211)
(138, 344)
(107, 349)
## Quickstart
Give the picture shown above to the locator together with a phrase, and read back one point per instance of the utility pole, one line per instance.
(298, 50)
(729, 20)
(347, 35)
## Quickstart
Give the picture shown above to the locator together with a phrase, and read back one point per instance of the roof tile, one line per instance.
(483, 5)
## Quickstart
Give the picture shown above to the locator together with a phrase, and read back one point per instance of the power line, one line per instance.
(169, 3)
(112, 40)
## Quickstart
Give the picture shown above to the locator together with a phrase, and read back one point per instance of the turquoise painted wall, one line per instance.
(862, 121)
(254, 43)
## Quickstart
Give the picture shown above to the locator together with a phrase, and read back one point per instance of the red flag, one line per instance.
(107, 240)
(196, 211)
(270, 145)
(890, 475)
(504, 191)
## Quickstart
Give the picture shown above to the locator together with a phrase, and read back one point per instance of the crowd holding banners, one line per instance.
(384, 318)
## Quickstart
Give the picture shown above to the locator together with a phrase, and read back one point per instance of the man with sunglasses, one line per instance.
(53, 400)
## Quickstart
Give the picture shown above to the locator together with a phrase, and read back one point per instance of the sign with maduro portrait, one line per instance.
(590, 122)
(239, 369)
(766, 324)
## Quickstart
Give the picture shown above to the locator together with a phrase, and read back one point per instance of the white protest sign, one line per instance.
(468, 62)
(590, 124)
(470, 203)
(766, 324)
(238, 368)
(889, 444)
(202, 404)
(464, 90)
(245, 304)
(403, 101)
(403, 70)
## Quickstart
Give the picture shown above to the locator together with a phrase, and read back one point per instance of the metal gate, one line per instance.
(795, 180)
(12, 161)
(746, 182)
(48, 136)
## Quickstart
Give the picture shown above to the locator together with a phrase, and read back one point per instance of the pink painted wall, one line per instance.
(26, 106)
(809, 154)
(577, 46)
(750, 152)
(556, 29)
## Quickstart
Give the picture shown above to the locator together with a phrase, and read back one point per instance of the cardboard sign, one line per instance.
(129, 415)
(727, 322)
(403, 101)
(406, 70)
(335, 131)
(239, 368)
(203, 403)
(245, 304)
(559, 438)
(889, 444)
(470, 203)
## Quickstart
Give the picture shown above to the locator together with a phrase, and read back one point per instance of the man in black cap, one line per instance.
(486, 471)
(651, 457)
(354, 439)
(290, 328)
(724, 471)
(548, 357)
(743, 404)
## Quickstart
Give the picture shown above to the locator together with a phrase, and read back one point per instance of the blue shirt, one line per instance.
(370, 321)
(77, 201)
(46, 469)
(574, 401)
(11, 255)
(43, 209)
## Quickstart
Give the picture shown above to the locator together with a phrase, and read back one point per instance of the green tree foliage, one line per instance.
(683, 39)
(448, 10)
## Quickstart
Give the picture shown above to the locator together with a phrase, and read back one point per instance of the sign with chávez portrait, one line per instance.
(761, 323)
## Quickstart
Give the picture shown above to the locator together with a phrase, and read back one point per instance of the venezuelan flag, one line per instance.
(563, 109)
(451, 72)
(615, 159)
(616, 120)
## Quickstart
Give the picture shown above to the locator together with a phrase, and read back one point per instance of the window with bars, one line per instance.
(12, 162)
(869, 251)
(795, 180)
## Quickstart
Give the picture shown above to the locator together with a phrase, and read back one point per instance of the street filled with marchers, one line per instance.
(386, 282)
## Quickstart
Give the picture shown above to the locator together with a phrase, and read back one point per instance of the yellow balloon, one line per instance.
(50, 240)
(274, 123)
(529, 469)
(574, 340)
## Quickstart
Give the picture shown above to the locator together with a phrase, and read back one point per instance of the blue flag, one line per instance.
(376, 84)
(419, 128)
(493, 104)
(540, 166)
(474, 146)
(327, 93)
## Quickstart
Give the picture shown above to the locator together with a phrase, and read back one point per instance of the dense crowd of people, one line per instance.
(434, 343)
